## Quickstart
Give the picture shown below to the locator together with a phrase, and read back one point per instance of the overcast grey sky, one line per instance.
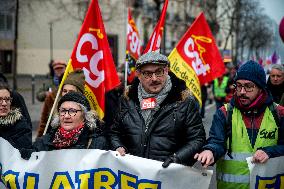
(274, 9)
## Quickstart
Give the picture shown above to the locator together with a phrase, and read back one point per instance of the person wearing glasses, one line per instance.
(159, 118)
(75, 81)
(13, 125)
(75, 126)
(250, 125)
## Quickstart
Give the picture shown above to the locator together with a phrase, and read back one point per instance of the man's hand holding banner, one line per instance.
(85, 168)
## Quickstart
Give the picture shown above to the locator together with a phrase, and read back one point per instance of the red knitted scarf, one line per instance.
(63, 138)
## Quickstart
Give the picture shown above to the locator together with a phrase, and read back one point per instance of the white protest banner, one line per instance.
(267, 175)
(93, 169)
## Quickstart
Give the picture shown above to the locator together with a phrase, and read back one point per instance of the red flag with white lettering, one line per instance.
(196, 58)
(92, 54)
(133, 46)
(156, 37)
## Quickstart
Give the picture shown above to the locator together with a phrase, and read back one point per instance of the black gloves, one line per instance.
(26, 153)
(170, 159)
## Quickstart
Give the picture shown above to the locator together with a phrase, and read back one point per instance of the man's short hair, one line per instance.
(279, 67)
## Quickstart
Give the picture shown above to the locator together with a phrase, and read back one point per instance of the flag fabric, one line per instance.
(196, 58)
(156, 37)
(92, 54)
(133, 46)
(274, 58)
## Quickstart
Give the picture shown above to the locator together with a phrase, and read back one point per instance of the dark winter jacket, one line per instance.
(15, 129)
(176, 127)
(219, 133)
(19, 102)
(94, 135)
(276, 90)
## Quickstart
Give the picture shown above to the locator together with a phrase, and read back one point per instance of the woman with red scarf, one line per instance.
(75, 127)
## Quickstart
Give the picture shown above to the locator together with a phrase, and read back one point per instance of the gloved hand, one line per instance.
(26, 153)
(170, 159)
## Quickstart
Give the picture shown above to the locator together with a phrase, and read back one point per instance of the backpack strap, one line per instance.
(228, 127)
(273, 108)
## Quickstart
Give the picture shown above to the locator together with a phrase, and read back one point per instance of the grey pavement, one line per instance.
(25, 89)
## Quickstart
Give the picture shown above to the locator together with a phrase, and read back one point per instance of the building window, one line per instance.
(6, 22)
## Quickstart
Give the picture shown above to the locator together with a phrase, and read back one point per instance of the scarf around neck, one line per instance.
(147, 114)
(63, 138)
(258, 105)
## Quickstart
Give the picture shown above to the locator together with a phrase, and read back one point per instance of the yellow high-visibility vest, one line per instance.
(234, 173)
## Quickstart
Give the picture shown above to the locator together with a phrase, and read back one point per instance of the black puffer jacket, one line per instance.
(15, 129)
(94, 135)
(176, 127)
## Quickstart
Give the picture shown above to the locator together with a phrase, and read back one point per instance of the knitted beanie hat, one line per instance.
(75, 97)
(76, 78)
(152, 57)
(252, 71)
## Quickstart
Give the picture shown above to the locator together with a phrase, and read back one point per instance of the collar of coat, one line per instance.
(179, 91)
(12, 117)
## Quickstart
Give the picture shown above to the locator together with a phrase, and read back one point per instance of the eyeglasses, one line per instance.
(158, 73)
(72, 112)
(8, 100)
(247, 86)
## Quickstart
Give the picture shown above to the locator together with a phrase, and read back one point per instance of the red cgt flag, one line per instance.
(92, 54)
(133, 46)
(156, 37)
(196, 58)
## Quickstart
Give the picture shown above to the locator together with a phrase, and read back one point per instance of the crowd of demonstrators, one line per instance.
(14, 127)
(158, 117)
(219, 90)
(74, 82)
(275, 82)
(57, 69)
(75, 126)
(238, 129)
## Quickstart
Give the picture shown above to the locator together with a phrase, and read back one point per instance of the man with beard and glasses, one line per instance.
(158, 117)
(250, 125)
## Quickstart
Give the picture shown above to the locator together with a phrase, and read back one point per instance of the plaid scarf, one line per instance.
(63, 138)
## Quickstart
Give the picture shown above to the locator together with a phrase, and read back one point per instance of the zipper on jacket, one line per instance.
(252, 128)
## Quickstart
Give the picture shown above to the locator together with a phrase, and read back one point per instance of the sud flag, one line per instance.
(133, 46)
(156, 37)
(92, 54)
(196, 58)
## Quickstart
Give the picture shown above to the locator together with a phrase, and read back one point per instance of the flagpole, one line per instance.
(126, 58)
(57, 97)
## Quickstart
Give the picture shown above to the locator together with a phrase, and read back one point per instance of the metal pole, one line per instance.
(51, 40)
(14, 57)
(33, 88)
